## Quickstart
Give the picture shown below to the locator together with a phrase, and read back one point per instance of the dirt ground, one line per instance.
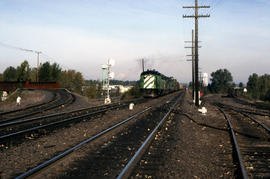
(189, 145)
(22, 157)
(29, 97)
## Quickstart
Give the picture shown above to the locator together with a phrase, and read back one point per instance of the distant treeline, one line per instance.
(69, 79)
(124, 83)
(93, 88)
(258, 87)
(112, 82)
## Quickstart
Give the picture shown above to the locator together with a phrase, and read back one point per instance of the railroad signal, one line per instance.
(106, 76)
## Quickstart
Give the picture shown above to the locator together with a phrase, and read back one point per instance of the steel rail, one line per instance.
(253, 119)
(59, 114)
(128, 168)
(28, 107)
(54, 105)
(262, 113)
(239, 156)
(56, 123)
(244, 112)
(45, 117)
(61, 155)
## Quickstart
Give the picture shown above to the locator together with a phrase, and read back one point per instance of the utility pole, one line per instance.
(108, 81)
(192, 60)
(196, 16)
(37, 64)
(143, 65)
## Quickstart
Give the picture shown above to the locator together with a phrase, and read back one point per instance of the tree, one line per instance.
(241, 85)
(1, 77)
(221, 80)
(72, 80)
(55, 72)
(78, 82)
(90, 91)
(48, 72)
(252, 85)
(32, 74)
(258, 86)
(44, 72)
(264, 85)
(267, 96)
(23, 71)
(134, 92)
(10, 74)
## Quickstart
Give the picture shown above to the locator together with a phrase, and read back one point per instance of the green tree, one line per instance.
(1, 77)
(23, 71)
(90, 91)
(10, 74)
(241, 85)
(44, 72)
(264, 85)
(72, 80)
(55, 72)
(48, 72)
(78, 82)
(267, 96)
(253, 85)
(221, 81)
(134, 92)
(32, 74)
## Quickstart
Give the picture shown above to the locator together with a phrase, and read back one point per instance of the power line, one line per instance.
(26, 50)
(215, 4)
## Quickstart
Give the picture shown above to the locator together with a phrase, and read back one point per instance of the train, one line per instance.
(12, 85)
(153, 84)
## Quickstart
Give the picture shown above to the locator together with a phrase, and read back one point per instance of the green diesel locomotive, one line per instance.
(153, 84)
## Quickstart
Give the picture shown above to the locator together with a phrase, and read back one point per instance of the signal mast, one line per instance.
(107, 75)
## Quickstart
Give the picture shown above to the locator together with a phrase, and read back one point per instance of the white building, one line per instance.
(205, 79)
(122, 89)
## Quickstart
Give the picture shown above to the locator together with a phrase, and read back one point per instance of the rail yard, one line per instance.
(160, 138)
(105, 89)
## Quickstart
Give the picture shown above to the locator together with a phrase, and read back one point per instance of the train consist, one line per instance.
(153, 84)
(11, 86)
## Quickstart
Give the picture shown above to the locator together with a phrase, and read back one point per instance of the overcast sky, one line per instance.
(83, 34)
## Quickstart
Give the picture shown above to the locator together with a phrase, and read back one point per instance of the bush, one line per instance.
(90, 92)
(134, 92)
(267, 96)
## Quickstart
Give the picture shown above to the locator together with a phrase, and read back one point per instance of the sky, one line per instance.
(83, 34)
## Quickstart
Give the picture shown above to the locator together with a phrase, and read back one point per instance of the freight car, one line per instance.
(11, 86)
(153, 84)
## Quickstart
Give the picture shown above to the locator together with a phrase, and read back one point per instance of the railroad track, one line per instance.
(20, 128)
(126, 144)
(251, 141)
(37, 105)
(258, 106)
(246, 110)
(61, 97)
